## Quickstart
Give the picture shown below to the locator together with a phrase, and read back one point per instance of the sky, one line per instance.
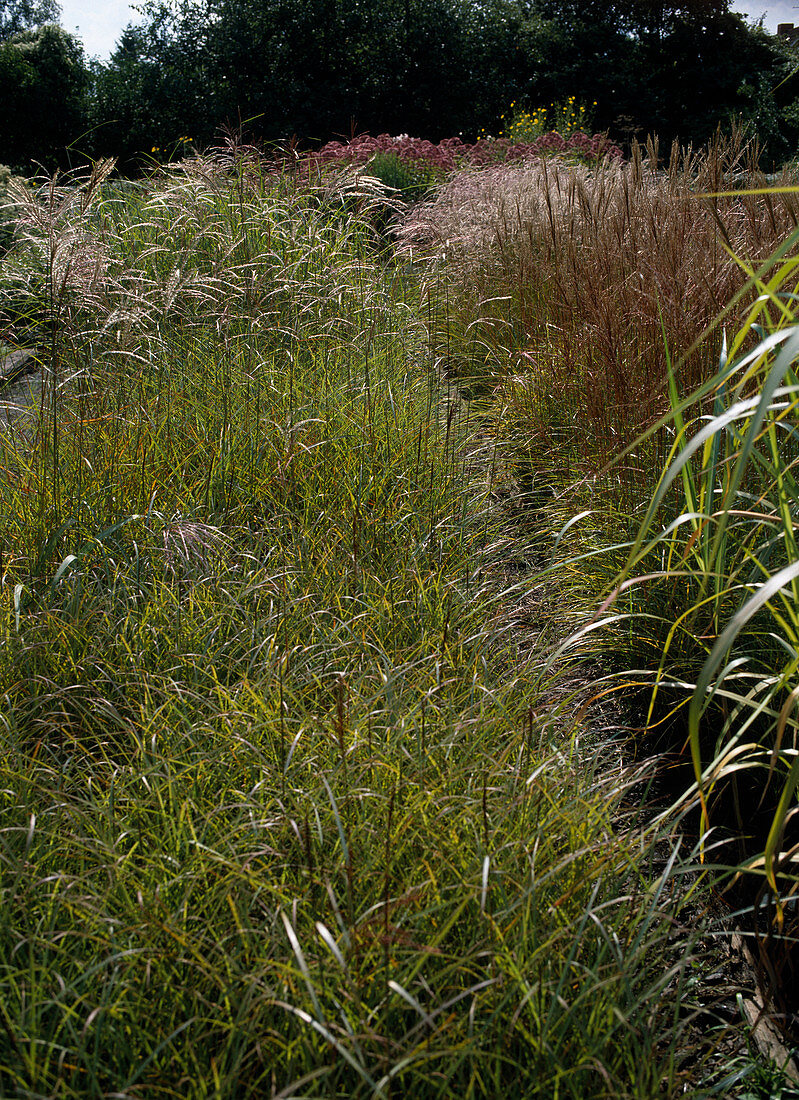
(775, 11)
(99, 23)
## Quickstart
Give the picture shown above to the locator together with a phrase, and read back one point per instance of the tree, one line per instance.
(43, 80)
(155, 89)
(307, 67)
(316, 68)
(24, 15)
(693, 58)
(654, 66)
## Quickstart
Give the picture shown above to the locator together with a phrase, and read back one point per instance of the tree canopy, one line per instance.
(25, 15)
(43, 80)
(434, 68)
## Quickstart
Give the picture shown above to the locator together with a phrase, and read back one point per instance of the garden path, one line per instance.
(21, 380)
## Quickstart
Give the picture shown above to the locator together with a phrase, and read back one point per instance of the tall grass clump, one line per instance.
(284, 809)
(586, 319)
(573, 286)
(712, 584)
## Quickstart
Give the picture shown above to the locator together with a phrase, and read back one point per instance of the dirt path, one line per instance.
(21, 381)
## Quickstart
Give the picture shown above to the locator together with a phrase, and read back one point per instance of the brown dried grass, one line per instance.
(579, 283)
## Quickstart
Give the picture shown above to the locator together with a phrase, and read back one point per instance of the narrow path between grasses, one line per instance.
(21, 381)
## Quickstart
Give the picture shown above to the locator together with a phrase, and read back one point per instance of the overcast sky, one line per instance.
(98, 23)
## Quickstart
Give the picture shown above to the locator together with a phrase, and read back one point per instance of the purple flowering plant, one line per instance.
(413, 164)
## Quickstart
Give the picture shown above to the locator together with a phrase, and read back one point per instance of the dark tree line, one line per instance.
(434, 68)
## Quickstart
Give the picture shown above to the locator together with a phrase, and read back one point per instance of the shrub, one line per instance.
(565, 118)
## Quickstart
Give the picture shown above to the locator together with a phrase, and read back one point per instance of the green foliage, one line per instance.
(565, 117)
(156, 89)
(6, 212)
(43, 81)
(768, 101)
(321, 69)
(23, 15)
(291, 67)
(411, 180)
(732, 551)
(668, 69)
